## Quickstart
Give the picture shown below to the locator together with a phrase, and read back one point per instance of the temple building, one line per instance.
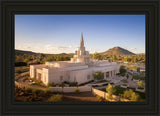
(79, 69)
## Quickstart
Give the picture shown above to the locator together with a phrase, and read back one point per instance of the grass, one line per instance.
(124, 81)
(55, 98)
(136, 77)
(21, 69)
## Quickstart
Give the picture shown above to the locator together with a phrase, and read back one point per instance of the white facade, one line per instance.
(80, 69)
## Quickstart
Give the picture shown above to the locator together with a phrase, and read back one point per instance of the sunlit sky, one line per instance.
(61, 33)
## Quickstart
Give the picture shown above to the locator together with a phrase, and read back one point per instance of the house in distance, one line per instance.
(79, 69)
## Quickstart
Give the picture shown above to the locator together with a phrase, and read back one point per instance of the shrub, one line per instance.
(110, 90)
(136, 77)
(61, 84)
(140, 84)
(122, 70)
(77, 90)
(65, 82)
(138, 69)
(124, 81)
(119, 90)
(98, 75)
(50, 84)
(28, 90)
(128, 93)
(73, 84)
(15, 74)
(48, 91)
(131, 95)
(55, 98)
(37, 91)
(135, 97)
(25, 68)
(20, 64)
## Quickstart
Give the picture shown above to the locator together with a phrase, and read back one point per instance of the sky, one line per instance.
(55, 34)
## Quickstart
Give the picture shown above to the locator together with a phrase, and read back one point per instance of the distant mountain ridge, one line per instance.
(24, 52)
(117, 51)
(30, 52)
(112, 51)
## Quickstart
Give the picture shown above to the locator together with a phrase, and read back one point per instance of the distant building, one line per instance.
(80, 69)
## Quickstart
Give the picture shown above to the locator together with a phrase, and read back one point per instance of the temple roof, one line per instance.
(82, 41)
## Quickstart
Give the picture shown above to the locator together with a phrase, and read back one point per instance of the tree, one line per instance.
(122, 69)
(97, 56)
(127, 76)
(134, 97)
(140, 84)
(138, 69)
(128, 93)
(110, 90)
(98, 75)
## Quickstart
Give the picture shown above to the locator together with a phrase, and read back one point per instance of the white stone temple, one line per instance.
(79, 69)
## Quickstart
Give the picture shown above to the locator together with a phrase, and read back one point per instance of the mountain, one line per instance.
(30, 52)
(24, 52)
(117, 51)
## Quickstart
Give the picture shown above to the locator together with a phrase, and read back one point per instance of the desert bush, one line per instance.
(20, 64)
(55, 98)
(61, 84)
(98, 75)
(48, 91)
(135, 97)
(140, 84)
(122, 70)
(73, 84)
(77, 90)
(110, 90)
(128, 93)
(124, 81)
(50, 84)
(15, 74)
(37, 91)
(136, 77)
(28, 90)
(119, 90)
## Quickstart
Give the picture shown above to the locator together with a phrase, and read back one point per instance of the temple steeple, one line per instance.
(82, 41)
(81, 55)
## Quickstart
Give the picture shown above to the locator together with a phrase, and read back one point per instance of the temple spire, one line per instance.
(82, 41)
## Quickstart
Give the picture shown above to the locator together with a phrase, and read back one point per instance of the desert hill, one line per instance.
(117, 51)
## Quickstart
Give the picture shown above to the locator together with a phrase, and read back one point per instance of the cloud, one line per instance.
(135, 50)
(58, 49)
